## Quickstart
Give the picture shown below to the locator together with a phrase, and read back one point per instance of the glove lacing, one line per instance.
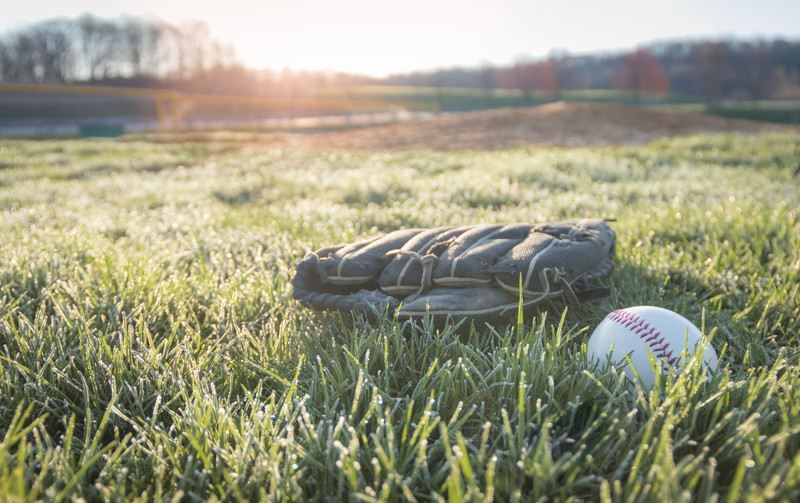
(550, 275)
(427, 262)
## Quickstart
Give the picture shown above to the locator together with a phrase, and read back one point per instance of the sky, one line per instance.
(379, 37)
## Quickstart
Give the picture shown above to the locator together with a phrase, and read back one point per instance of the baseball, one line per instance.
(644, 330)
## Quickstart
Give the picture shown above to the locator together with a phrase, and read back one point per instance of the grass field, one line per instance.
(459, 99)
(150, 349)
(455, 99)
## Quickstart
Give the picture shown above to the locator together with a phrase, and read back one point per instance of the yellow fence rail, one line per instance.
(170, 104)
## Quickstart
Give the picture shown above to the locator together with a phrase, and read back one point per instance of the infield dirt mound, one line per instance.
(555, 124)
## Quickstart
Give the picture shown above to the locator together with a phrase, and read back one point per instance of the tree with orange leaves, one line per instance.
(641, 73)
(529, 76)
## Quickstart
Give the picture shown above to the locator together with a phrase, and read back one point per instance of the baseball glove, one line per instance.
(476, 272)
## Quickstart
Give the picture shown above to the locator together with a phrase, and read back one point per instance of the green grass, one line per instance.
(767, 111)
(458, 99)
(150, 348)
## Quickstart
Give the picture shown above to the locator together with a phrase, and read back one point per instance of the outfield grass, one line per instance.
(766, 111)
(459, 99)
(150, 349)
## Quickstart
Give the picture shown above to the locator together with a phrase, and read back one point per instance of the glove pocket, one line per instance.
(360, 263)
(467, 261)
(458, 303)
(409, 268)
(543, 267)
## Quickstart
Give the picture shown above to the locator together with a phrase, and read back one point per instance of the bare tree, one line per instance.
(53, 51)
(5, 60)
(193, 50)
(99, 42)
(156, 54)
(92, 48)
(711, 61)
(134, 43)
(140, 46)
(756, 72)
(784, 83)
(24, 69)
(40, 54)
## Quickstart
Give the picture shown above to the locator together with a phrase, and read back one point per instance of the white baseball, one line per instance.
(644, 330)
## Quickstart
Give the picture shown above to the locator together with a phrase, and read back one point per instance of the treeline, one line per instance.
(90, 48)
(707, 70)
(144, 52)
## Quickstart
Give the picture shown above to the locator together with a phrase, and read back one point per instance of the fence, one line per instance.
(172, 107)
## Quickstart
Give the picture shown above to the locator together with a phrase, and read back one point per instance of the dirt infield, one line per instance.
(556, 124)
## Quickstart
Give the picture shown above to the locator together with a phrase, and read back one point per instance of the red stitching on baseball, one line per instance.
(645, 332)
